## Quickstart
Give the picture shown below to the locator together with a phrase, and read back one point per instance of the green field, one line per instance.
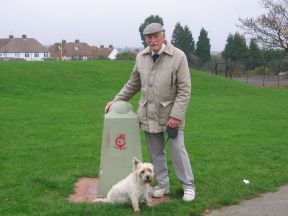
(51, 132)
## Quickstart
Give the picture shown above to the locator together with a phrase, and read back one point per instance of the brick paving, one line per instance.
(86, 190)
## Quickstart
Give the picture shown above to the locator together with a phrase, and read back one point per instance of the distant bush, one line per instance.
(126, 56)
(102, 57)
(194, 60)
(260, 70)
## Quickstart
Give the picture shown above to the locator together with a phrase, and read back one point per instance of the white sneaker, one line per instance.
(160, 192)
(189, 195)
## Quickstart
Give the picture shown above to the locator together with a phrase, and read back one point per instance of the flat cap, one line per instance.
(153, 28)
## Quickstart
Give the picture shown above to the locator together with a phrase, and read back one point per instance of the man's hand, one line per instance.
(173, 122)
(107, 107)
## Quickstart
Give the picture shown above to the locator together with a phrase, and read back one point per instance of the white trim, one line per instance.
(28, 56)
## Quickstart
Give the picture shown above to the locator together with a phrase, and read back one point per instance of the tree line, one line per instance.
(197, 54)
(268, 38)
(182, 38)
(237, 51)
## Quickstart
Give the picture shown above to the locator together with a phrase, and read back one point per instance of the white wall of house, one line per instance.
(113, 54)
(27, 56)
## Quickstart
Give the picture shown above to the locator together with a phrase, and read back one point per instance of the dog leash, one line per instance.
(165, 142)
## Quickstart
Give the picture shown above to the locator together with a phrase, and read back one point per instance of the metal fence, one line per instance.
(270, 74)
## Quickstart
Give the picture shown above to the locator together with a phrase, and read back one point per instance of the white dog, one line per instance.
(134, 188)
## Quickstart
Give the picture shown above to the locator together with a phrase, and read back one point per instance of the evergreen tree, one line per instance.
(254, 53)
(148, 20)
(182, 38)
(203, 46)
(189, 41)
(227, 53)
(235, 49)
(240, 47)
(276, 55)
(178, 36)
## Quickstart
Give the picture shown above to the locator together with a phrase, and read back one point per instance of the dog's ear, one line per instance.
(135, 163)
(151, 167)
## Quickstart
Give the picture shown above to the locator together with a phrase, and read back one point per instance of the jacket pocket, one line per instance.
(173, 79)
(164, 111)
(142, 110)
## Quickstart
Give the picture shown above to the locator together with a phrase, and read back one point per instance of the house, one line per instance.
(22, 48)
(105, 53)
(71, 51)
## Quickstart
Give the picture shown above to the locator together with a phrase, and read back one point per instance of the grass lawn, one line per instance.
(51, 130)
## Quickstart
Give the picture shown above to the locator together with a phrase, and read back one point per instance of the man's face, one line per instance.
(155, 41)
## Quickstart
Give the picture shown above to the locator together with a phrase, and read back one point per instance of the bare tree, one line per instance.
(271, 28)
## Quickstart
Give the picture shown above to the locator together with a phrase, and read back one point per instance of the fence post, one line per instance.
(278, 80)
(246, 73)
(264, 76)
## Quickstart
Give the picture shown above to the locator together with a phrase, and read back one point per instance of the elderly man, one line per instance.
(162, 74)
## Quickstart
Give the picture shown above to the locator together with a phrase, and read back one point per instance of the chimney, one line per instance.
(24, 36)
(101, 46)
(110, 46)
(77, 41)
(11, 36)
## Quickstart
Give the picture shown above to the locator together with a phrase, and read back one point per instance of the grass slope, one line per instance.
(51, 130)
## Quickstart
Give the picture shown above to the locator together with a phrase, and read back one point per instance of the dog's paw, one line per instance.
(100, 200)
(136, 210)
(149, 203)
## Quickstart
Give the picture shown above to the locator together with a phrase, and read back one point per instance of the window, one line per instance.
(17, 55)
(45, 55)
(27, 55)
(36, 55)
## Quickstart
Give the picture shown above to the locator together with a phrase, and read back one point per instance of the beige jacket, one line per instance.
(165, 88)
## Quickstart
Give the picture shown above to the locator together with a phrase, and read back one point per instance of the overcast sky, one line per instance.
(116, 22)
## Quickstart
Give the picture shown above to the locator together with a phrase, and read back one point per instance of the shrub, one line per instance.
(126, 56)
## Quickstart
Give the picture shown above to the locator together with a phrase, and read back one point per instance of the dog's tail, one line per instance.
(101, 200)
